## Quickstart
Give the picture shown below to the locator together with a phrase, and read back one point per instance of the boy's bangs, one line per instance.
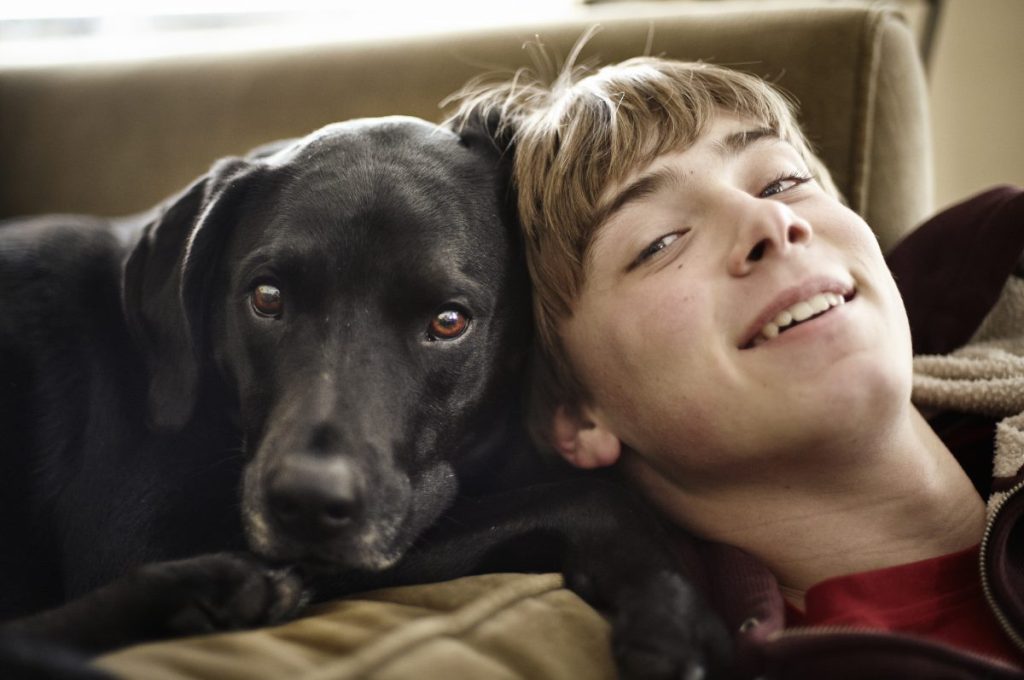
(622, 122)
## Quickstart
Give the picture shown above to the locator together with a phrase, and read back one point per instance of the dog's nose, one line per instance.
(313, 498)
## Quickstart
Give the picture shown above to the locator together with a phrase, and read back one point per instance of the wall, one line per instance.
(976, 81)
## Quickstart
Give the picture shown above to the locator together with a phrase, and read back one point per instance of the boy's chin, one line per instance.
(868, 396)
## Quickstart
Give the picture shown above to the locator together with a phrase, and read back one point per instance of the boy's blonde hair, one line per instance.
(580, 135)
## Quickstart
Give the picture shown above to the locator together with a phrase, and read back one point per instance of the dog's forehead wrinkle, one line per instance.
(359, 186)
(366, 208)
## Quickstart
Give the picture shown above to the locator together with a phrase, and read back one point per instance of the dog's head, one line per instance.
(361, 294)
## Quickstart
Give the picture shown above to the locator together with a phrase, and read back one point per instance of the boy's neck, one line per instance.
(911, 502)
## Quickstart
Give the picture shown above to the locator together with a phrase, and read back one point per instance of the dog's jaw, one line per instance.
(371, 549)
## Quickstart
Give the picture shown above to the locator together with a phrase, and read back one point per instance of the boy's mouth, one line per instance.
(798, 313)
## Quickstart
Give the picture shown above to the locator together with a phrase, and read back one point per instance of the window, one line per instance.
(74, 30)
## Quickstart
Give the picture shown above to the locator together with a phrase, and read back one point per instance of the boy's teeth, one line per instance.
(801, 311)
(819, 303)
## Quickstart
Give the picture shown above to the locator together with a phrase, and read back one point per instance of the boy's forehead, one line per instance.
(725, 135)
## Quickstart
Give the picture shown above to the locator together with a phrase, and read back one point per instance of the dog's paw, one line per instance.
(664, 631)
(221, 592)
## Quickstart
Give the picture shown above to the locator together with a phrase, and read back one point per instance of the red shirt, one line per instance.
(939, 598)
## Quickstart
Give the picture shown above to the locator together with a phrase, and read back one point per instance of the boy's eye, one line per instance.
(782, 184)
(655, 247)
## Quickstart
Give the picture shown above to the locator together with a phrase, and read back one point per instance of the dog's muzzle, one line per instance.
(313, 499)
(317, 509)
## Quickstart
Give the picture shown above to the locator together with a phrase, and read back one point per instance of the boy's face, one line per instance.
(683, 332)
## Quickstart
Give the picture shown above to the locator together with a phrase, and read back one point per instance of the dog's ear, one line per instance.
(164, 279)
(489, 128)
(494, 133)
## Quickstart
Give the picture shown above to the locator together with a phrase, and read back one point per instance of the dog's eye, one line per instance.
(266, 300)
(448, 324)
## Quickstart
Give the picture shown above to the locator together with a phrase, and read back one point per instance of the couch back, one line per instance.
(116, 137)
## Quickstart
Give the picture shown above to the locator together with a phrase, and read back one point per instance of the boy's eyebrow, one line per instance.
(737, 142)
(653, 182)
(646, 185)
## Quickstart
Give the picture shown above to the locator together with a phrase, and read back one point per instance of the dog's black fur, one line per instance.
(158, 407)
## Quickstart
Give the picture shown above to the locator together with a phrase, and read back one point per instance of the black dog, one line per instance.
(329, 334)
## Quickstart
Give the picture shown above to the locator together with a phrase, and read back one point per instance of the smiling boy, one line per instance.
(713, 321)
(744, 424)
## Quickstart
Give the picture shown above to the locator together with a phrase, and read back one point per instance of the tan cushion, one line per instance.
(116, 138)
(492, 626)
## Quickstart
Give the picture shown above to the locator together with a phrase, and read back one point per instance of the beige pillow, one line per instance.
(481, 627)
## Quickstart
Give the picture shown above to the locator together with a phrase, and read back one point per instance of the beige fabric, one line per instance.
(114, 138)
(985, 376)
(500, 626)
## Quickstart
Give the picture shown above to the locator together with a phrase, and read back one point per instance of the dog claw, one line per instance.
(222, 592)
(665, 632)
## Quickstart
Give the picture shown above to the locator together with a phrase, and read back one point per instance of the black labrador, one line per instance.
(315, 354)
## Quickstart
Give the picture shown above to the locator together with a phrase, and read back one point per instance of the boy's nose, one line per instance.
(766, 228)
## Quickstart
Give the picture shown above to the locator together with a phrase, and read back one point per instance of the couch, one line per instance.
(115, 137)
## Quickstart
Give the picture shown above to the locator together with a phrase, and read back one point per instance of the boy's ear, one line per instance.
(583, 442)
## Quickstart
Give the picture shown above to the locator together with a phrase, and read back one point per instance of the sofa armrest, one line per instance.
(117, 137)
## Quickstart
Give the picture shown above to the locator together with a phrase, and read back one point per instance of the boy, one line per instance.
(716, 324)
